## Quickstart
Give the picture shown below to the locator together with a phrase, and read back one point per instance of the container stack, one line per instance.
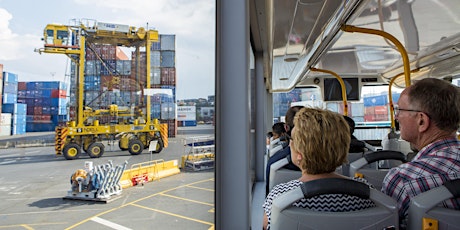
(112, 78)
(162, 76)
(186, 116)
(9, 96)
(376, 108)
(46, 104)
(18, 113)
(107, 74)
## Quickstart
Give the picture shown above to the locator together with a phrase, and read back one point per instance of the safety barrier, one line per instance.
(61, 135)
(148, 171)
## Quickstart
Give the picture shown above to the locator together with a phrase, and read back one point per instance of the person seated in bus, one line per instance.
(355, 144)
(279, 133)
(428, 113)
(319, 144)
(286, 151)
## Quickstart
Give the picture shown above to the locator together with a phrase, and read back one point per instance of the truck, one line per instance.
(91, 128)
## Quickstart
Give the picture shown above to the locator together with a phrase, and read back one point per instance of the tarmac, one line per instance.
(30, 139)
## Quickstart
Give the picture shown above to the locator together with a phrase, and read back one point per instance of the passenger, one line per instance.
(286, 151)
(429, 115)
(356, 145)
(320, 140)
(279, 131)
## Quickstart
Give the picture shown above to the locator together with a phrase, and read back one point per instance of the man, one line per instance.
(428, 115)
(290, 114)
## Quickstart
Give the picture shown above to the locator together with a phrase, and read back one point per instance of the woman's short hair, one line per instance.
(323, 139)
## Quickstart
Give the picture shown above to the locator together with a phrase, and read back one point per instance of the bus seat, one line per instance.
(285, 216)
(278, 174)
(423, 209)
(375, 175)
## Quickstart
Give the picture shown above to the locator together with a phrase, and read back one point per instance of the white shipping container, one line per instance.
(5, 130)
(186, 113)
(5, 119)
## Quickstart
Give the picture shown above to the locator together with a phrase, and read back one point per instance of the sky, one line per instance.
(193, 22)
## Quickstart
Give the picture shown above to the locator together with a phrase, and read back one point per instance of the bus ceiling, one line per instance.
(295, 36)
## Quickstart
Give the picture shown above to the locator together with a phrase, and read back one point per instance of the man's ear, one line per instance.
(423, 122)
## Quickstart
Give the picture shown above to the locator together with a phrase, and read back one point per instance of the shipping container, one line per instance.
(168, 76)
(375, 100)
(155, 59)
(155, 46)
(15, 108)
(168, 42)
(10, 87)
(168, 59)
(156, 76)
(10, 77)
(10, 98)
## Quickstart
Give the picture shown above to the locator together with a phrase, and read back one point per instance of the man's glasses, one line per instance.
(397, 110)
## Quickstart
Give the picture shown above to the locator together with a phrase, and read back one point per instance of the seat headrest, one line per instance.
(335, 186)
(385, 155)
(454, 187)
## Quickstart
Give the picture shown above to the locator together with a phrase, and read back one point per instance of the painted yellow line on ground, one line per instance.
(60, 211)
(132, 202)
(181, 198)
(206, 189)
(109, 224)
(29, 226)
(173, 214)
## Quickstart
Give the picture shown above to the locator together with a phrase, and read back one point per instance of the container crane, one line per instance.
(133, 128)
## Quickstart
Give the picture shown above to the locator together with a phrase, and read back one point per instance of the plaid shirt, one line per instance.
(430, 168)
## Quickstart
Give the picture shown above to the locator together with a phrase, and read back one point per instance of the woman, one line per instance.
(320, 142)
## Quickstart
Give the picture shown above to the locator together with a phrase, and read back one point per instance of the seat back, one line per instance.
(278, 174)
(375, 175)
(424, 212)
(286, 216)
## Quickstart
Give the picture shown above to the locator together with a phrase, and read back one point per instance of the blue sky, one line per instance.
(193, 22)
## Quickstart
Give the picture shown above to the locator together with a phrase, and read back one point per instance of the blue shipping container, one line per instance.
(375, 100)
(15, 108)
(10, 87)
(10, 77)
(18, 129)
(189, 123)
(10, 98)
(168, 41)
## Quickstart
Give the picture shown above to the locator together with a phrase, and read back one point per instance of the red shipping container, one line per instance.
(369, 110)
(369, 118)
(58, 93)
(168, 76)
(381, 110)
(38, 110)
(22, 85)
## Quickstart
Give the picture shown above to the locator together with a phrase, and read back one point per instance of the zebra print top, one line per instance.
(324, 203)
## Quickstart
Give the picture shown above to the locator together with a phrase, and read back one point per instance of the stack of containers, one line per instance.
(376, 108)
(46, 104)
(118, 80)
(282, 101)
(9, 95)
(106, 79)
(18, 113)
(162, 76)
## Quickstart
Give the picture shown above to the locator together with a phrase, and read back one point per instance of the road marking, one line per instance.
(181, 198)
(173, 214)
(206, 189)
(138, 200)
(109, 224)
(36, 151)
(7, 162)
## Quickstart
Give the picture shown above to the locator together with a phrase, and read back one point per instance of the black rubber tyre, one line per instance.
(119, 146)
(135, 147)
(95, 150)
(160, 146)
(71, 151)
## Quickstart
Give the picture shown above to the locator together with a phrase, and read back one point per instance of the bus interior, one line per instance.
(265, 47)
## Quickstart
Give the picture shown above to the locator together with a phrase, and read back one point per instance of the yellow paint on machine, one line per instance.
(148, 171)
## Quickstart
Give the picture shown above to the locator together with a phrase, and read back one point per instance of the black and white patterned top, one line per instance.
(324, 203)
